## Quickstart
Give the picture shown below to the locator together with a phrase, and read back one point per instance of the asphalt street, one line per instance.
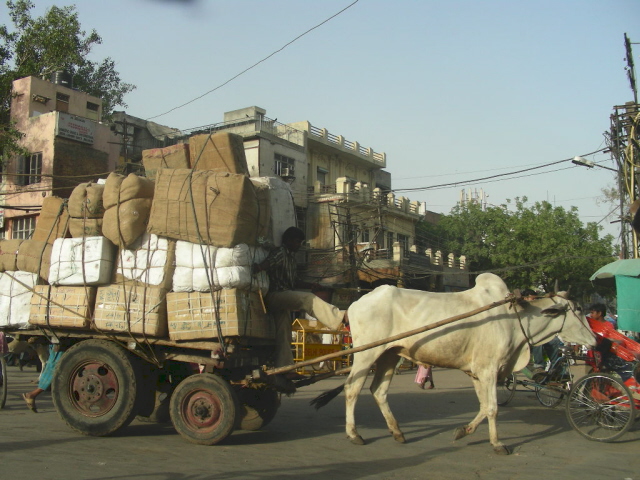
(304, 443)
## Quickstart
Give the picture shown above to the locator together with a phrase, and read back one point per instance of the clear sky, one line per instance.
(449, 90)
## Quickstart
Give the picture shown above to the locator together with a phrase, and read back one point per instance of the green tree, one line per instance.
(528, 246)
(43, 45)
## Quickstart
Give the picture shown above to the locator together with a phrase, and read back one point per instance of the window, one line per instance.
(322, 175)
(62, 102)
(365, 235)
(301, 218)
(284, 166)
(92, 110)
(29, 169)
(390, 240)
(23, 227)
(404, 242)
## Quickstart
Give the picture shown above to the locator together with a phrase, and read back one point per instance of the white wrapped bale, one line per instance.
(225, 268)
(281, 207)
(150, 260)
(15, 298)
(81, 261)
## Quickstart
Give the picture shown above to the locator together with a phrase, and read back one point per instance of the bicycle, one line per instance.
(550, 386)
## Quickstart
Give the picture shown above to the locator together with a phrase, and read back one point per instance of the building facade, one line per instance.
(66, 144)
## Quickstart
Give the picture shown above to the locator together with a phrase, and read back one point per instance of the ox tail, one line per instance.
(324, 398)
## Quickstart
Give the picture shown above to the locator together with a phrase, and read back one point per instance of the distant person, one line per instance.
(424, 375)
(46, 377)
(551, 349)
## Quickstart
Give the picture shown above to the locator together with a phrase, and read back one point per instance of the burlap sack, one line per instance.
(205, 207)
(35, 256)
(86, 201)
(119, 188)
(53, 221)
(9, 255)
(220, 152)
(124, 224)
(174, 156)
(85, 227)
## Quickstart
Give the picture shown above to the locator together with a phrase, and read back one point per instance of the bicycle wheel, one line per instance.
(600, 407)
(553, 388)
(3, 381)
(506, 389)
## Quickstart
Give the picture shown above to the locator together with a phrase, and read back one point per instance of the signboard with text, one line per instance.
(75, 128)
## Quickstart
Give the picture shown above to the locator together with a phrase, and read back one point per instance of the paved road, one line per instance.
(303, 443)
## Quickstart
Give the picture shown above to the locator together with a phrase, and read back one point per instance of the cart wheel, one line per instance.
(95, 387)
(3, 381)
(549, 394)
(258, 407)
(204, 409)
(600, 407)
(506, 389)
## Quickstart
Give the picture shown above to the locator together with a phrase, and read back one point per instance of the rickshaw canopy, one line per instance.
(626, 274)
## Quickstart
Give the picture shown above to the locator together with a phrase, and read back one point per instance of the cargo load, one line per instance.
(204, 268)
(193, 315)
(66, 307)
(278, 198)
(53, 221)
(205, 207)
(15, 298)
(82, 261)
(131, 307)
(34, 256)
(150, 260)
(219, 152)
(86, 210)
(173, 156)
(9, 254)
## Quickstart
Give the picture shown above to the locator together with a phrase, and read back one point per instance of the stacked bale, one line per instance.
(53, 221)
(15, 298)
(86, 210)
(78, 265)
(127, 203)
(174, 156)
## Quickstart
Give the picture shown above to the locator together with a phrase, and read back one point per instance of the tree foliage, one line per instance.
(43, 45)
(528, 246)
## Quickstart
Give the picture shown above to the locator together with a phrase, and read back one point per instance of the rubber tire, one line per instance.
(551, 398)
(257, 408)
(3, 379)
(591, 416)
(118, 366)
(213, 400)
(506, 389)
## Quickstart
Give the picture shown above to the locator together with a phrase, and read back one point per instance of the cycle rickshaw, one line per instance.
(600, 405)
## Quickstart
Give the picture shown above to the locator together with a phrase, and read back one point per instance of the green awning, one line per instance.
(629, 267)
(628, 293)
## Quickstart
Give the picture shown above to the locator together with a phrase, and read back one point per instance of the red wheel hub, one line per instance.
(201, 410)
(93, 388)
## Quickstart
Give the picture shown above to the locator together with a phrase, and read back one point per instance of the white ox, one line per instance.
(487, 346)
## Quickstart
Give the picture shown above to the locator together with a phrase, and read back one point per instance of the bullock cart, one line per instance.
(206, 388)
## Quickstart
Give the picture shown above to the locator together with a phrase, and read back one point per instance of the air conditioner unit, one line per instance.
(286, 172)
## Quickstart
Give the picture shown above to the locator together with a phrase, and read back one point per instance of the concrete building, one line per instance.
(358, 231)
(67, 145)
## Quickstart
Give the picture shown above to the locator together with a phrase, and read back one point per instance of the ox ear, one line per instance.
(554, 310)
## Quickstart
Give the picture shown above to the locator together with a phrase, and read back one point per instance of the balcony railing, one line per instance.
(323, 134)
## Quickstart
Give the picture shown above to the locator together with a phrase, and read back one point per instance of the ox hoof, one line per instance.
(357, 440)
(502, 450)
(399, 438)
(459, 433)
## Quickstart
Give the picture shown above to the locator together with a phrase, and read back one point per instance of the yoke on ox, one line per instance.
(486, 346)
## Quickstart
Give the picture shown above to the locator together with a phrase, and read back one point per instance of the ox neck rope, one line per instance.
(514, 304)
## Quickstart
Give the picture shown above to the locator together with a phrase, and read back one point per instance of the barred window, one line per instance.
(29, 169)
(23, 227)
(284, 166)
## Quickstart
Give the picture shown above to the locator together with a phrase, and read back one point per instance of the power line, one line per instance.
(257, 63)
